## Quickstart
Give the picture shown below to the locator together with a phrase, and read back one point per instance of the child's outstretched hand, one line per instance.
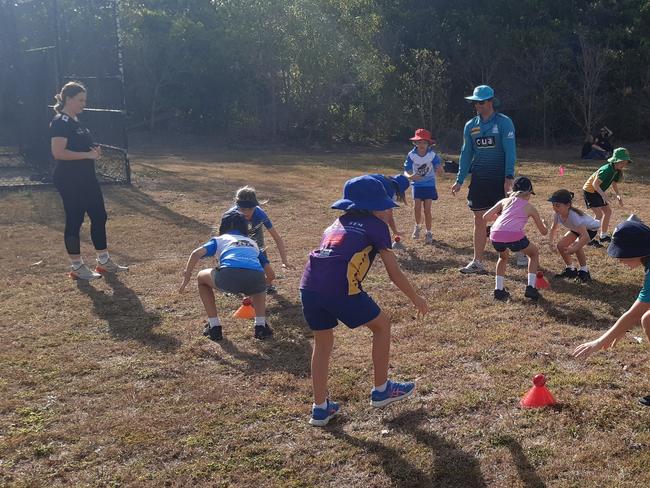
(186, 279)
(587, 349)
(421, 305)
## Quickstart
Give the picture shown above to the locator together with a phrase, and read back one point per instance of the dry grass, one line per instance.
(112, 384)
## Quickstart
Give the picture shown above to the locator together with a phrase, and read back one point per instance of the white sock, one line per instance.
(76, 262)
(603, 234)
(531, 279)
(381, 388)
(571, 267)
(322, 405)
(584, 268)
(214, 321)
(260, 321)
(499, 282)
(102, 257)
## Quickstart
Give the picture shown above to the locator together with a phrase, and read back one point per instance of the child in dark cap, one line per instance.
(631, 245)
(331, 290)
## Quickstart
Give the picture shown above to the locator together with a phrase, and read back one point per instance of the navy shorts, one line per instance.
(593, 200)
(425, 193)
(484, 195)
(322, 312)
(515, 246)
(592, 233)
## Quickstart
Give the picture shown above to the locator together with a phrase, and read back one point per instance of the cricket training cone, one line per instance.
(538, 396)
(246, 311)
(541, 282)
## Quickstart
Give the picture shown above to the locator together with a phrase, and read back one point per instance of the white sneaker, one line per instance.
(522, 259)
(428, 238)
(416, 232)
(83, 272)
(472, 268)
(110, 266)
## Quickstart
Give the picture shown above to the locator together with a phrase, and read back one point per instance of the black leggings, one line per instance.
(82, 195)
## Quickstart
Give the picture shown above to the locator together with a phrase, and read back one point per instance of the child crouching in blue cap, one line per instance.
(331, 290)
(631, 245)
(395, 187)
(239, 271)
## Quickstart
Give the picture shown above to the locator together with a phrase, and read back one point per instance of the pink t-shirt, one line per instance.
(509, 226)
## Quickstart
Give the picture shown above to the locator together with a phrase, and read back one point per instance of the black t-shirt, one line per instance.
(79, 140)
(603, 141)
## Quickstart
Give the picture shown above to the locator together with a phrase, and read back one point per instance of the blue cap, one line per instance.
(631, 239)
(364, 193)
(402, 182)
(483, 92)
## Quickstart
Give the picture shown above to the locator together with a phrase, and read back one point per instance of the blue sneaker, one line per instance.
(321, 416)
(394, 392)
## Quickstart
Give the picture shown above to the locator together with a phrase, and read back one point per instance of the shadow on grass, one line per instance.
(288, 350)
(409, 260)
(450, 467)
(527, 473)
(127, 319)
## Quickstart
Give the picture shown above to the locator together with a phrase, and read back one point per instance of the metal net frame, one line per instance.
(44, 44)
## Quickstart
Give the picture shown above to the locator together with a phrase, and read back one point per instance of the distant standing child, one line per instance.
(421, 166)
(582, 229)
(599, 182)
(507, 233)
(331, 290)
(395, 187)
(246, 202)
(239, 271)
(631, 246)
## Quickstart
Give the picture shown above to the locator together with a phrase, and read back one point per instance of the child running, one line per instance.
(421, 166)
(331, 290)
(630, 244)
(507, 234)
(239, 271)
(395, 187)
(599, 182)
(246, 203)
(582, 229)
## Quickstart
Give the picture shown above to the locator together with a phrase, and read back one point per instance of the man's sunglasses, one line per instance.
(482, 102)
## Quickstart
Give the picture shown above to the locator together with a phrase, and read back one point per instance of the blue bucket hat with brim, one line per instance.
(630, 239)
(402, 181)
(364, 193)
(483, 92)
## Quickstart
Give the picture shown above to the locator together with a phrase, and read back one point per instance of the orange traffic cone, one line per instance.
(538, 396)
(246, 311)
(541, 282)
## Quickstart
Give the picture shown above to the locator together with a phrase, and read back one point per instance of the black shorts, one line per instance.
(593, 200)
(239, 280)
(515, 246)
(592, 233)
(483, 195)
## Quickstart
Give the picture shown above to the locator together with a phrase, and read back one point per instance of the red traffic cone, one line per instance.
(541, 282)
(397, 244)
(538, 396)
(246, 311)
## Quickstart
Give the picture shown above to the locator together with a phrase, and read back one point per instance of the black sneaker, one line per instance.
(271, 290)
(502, 295)
(263, 331)
(595, 243)
(567, 273)
(645, 400)
(214, 333)
(532, 293)
(583, 276)
(605, 238)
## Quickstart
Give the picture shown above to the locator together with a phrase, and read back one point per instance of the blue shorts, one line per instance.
(322, 312)
(425, 193)
(515, 246)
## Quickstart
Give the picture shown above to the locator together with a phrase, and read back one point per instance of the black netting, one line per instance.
(44, 44)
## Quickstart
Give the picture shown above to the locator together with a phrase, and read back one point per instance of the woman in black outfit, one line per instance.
(75, 179)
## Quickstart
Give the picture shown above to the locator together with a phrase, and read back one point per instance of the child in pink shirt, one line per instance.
(507, 234)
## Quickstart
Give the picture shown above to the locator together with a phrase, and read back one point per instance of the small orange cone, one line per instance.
(561, 170)
(246, 311)
(538, 396)
(541, 282)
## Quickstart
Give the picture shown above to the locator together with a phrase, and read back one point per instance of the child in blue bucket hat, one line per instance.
(331, 290)
(631, 245)
(395, 187)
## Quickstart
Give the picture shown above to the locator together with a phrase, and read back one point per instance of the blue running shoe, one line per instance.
(321, 416)
(394, 392)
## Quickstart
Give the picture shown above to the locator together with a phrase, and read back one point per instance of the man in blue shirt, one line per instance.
(489, 153)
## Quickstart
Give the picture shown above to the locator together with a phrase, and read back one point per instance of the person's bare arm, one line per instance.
(280, 243)
(197, 254)
(401, 281)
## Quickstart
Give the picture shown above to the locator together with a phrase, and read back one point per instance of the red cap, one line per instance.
(422, 135)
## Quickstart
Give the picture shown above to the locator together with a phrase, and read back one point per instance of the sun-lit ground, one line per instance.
(112, 384)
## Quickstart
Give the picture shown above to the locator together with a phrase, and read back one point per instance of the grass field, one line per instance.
(112, 383)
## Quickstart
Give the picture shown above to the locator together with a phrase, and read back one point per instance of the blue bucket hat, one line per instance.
(364, 193)
(402, 182)
(631, 239)
(483, 92)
